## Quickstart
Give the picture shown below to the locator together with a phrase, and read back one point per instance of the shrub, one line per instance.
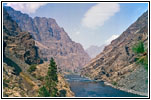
(43, 92)
(32, 68)
(114, 83)
(40, 78)
(142, 56)
(5, 83)
(138, 48)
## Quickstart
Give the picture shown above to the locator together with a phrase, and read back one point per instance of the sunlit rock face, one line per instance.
(52, 41)
(19, 43)
(116, 63)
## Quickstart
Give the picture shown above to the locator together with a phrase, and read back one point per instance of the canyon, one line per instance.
(34, 41)
(116, 64)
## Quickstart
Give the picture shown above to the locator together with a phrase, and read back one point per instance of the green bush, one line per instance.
(43, 92)
(114, 83)
(32, 68)
(5, 83)
(40, 78)
(142, 56)
(139, 48)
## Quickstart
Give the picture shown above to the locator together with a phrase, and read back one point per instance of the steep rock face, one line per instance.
(19, 49)
(24, 18)
(19, 43)
(52, 41)
(116, 64)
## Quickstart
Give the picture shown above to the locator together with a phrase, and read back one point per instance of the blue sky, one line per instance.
(89, 23)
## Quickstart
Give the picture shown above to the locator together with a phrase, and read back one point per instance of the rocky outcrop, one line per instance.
(64, 87)
(19, 43)
(116, 64)
(52, 41)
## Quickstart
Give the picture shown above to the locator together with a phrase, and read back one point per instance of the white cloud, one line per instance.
(26, 7)
(108, 41)
(98, 14)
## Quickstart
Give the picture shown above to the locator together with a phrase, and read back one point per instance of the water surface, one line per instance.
(83, 87)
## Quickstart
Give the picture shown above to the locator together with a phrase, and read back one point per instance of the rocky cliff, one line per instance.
(52, 41)
(19, 43)
(20, 52)
(116, 64)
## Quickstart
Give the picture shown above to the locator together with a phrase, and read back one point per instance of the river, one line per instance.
(83, 87)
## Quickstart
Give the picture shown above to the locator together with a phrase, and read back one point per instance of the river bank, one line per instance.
(126, 90)
(84, 87)
(119, 88)
(64, 86)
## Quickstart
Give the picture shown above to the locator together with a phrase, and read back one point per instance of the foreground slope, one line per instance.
(117, 65)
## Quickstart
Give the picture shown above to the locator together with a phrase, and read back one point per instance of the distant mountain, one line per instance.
(117, 63)
(52, 41)
(93, 51)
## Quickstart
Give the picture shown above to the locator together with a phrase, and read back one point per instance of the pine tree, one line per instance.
(52, 70)
(52, 78)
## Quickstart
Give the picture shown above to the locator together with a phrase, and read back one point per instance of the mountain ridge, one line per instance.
(69, 55)
(116, 63)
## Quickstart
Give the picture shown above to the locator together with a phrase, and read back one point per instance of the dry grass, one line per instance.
(27, 78)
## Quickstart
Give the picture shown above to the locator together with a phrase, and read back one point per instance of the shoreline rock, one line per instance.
(126, 90)
(63, 85)
(119, 88)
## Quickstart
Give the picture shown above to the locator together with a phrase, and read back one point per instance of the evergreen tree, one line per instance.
(43, 92)
(52, 70)
(52, 78)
